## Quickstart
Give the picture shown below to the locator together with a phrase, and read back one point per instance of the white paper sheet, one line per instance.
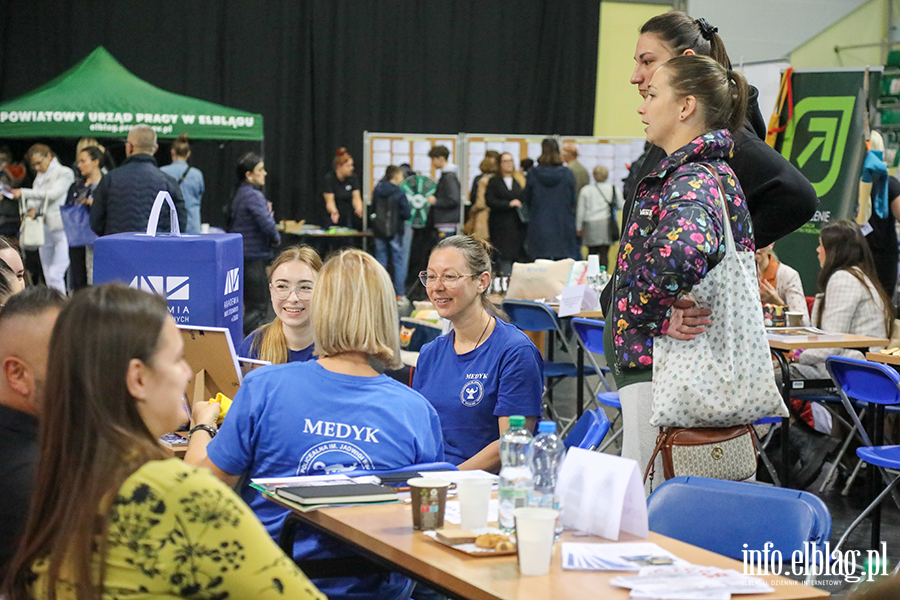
(477, 148)
(449, 144)
(399, 159)
(576, 298)
(421, 146)
(612, 557)
(534, 150)
(513, 148)
(422, 164)
(381, 145)
(586, 476)
(400, 147)
(498, 146)
(381, 159)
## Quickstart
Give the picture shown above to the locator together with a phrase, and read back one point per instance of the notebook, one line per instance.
(350, 493)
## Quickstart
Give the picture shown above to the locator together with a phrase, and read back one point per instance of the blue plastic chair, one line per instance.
(528, 315)
(589, 431)
(590, 334)
(879, 386)
(743, 513)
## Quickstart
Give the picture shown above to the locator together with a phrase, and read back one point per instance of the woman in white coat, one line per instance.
(49, 193)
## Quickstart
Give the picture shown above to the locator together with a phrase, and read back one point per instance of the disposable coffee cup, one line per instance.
(535, 528)
(474, 498)
(429, 500)
(794, 319)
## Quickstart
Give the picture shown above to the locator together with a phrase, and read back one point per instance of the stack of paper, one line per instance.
(615, 557)
(690, 582)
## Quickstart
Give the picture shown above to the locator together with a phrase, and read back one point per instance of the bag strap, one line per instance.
(729, 235)
(23, 207)
(183, 175)
(650, 470)
(153, 221)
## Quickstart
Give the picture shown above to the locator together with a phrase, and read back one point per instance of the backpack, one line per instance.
(385, 217)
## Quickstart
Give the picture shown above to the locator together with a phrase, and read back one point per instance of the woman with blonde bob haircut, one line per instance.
(329, 415)
(289, 336)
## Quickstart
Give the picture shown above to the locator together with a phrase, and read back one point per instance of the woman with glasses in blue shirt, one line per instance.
(484, 370)
(289, 336)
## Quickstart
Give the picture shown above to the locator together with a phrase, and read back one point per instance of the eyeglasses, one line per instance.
(36, 163)
(448, 279)
(283, 291)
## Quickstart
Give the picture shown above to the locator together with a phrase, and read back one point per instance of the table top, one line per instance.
(887, 359)
(385, 530)
(846, 340)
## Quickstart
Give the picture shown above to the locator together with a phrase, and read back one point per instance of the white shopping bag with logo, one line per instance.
(201, 276)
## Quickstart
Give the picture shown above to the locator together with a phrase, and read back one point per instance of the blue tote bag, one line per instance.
(76, 220)
(201, 276)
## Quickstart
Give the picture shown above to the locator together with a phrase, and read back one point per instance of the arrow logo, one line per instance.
(826, 135)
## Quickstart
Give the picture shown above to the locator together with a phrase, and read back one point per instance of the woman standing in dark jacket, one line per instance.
(506, 222)
(550, 198)
(251, 216)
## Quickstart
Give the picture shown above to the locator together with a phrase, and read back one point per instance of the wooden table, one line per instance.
(779, 349)
(384, 534)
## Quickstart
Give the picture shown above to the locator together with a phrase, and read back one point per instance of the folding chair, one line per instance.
(589, 333)
(746, 516)
(879, 386)
(589, 431)
(528, 315)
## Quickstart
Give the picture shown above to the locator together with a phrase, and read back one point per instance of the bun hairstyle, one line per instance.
(679, 32)
(181, 147)
(94, 153)
(341, 157)
(721, 93)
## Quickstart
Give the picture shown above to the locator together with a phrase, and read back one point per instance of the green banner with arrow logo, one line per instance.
(825, 140)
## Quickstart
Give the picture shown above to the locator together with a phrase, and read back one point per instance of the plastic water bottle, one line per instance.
(516, 476)
(549, 453)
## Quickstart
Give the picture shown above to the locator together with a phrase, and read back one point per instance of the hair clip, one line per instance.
(706, 30)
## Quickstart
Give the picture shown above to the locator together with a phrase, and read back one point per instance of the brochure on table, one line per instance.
(586, 476)
(577, 298)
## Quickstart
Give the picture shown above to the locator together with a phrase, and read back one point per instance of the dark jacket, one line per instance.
(124, 197)
(386, 189)
(672, 240)
(550, 196)
(446, 206)
(505, 225)
(251, 218)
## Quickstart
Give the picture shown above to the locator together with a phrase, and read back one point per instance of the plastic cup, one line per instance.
(535, 529)
(794, 319)
(429, 500)
(474, 498)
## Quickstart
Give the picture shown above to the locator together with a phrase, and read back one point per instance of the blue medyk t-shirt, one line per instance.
(300, 419)
(502, 377)
(246, 350)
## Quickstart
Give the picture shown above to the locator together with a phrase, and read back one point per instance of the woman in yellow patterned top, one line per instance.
(112, 516)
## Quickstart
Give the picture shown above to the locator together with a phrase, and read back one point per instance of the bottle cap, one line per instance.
(547, 427)
(516, 421)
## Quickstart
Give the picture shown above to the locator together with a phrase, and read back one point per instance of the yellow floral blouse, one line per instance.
(178, 532)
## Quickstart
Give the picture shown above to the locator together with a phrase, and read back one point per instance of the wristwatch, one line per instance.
(203, 427)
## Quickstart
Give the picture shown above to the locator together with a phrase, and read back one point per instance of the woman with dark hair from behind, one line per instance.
(190, 181)
(675, 234)
(550, 198)
(850, 298)
(115, 383)
(483, 371)
(251, 216)
(13, 259)
(7, 282)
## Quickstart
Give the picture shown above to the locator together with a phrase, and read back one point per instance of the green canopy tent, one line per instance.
(99, 97)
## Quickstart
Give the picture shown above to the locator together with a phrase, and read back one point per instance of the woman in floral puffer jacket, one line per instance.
(674, 235)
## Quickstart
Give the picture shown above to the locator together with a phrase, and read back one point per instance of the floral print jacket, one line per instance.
(674, 237)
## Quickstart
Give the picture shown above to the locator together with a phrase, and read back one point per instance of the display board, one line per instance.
(616, 154)
(476, 145)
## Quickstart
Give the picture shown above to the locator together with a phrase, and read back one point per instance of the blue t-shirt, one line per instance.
(502, 377)
(246, 350)
(300, 419)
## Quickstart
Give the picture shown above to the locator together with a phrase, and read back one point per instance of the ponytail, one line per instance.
(679, 32)
(721, 93)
